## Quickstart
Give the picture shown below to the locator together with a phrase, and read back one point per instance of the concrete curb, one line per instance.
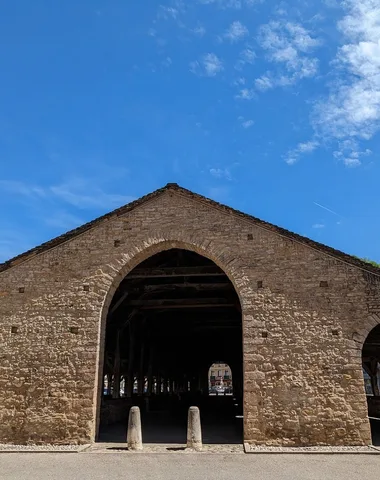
(11, 448)
(258, 450)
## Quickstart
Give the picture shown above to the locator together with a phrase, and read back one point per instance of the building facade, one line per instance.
(305, 312)
(220, 376)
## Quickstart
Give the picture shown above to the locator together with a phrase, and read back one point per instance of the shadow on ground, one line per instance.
(219, 426)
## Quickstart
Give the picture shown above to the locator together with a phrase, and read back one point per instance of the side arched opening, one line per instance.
(169, 318)
(220, 379)
(371, 373)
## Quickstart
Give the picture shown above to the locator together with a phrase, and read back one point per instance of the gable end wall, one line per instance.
(303, 385)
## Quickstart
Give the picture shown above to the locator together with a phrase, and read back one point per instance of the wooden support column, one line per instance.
(165, 386)
(130, 378)
(116, 369)
(158, 384)
(109, 383)
(193, 384)
(141, 378)
(150, 372)
(141, 375)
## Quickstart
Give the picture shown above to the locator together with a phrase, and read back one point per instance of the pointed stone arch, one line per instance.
(135, 255)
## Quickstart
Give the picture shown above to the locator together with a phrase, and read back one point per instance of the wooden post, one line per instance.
(150, 373)
(116, 368)
(141, 378)
(158, 384)
(130, 360)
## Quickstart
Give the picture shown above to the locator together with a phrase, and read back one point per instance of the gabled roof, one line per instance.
(174, 187)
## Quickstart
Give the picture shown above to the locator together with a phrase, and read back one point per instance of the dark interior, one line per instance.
(371, 360)
(171, 317)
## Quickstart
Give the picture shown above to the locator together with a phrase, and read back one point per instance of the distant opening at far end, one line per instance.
(220, 379)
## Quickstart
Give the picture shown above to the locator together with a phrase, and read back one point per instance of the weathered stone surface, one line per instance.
(134, 433)
(303, 384)
(194, 429)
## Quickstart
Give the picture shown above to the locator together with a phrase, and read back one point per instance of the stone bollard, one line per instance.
(194, 432)
(134, 435)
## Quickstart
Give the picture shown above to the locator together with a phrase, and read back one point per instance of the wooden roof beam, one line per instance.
(203, 271)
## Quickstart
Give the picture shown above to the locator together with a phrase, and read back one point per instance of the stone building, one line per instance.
(139, 293)
(220, 375)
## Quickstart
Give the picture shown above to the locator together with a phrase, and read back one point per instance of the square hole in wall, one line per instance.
(264, 334)
(323, 283)
(116, 243)
(21, 289)
(335, 331)
(259, 284)
(74, 330)
(86, 288)
(249, 236)
(14, 329)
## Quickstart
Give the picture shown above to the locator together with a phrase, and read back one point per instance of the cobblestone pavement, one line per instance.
(193, 466)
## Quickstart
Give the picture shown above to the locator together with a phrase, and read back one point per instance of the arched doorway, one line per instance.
(371, 373)
(169, 318)
(220, 379)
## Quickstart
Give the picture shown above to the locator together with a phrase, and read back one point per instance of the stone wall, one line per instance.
(302, 341)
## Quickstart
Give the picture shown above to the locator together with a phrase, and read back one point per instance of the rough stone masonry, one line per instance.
(306, 311)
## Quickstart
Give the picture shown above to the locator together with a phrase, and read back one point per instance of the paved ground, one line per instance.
(161, 427)
(126, 466)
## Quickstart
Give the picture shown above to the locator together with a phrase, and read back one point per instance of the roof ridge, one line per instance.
(350, 259)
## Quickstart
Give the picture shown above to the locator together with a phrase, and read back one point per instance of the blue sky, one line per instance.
(270, 107)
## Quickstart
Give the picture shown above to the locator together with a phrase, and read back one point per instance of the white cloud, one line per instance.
(236, 4)
(236, 31)
(245, 123)
(22, 189)
(239, 81)
(199, 31)
(221, 173)
(264, 83)
(351, 112)
(167, 12)
(348, 152)
(246, 56)
(63, 220)
(318, 225)
(288, 45)
(209, 65)
(223, 3)
(167, 62)
(82, 194)
(55, 206)
(78, 192)
(302, 148)
(246, 94)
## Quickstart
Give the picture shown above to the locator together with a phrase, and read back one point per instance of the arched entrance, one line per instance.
(220, 379)
(371, 372)
(169, 318)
